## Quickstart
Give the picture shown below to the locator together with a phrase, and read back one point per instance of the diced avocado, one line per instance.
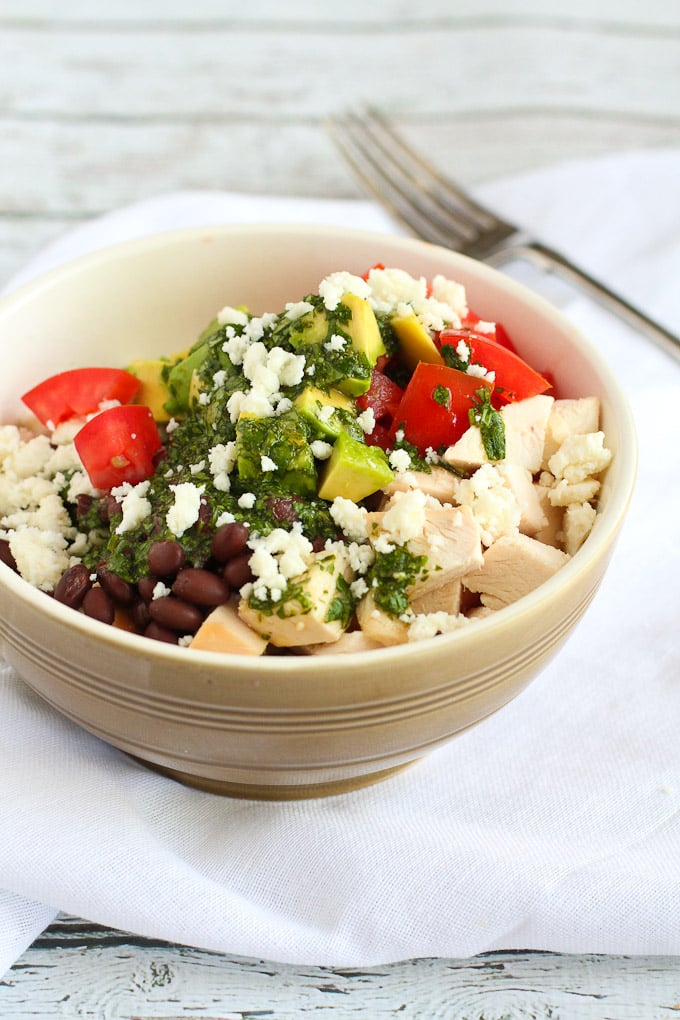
(153, 391)
(354, 470)
(415, 343)
(312, 405)
(179, 379)
(275, 448)
(310, 329)
(363, 328)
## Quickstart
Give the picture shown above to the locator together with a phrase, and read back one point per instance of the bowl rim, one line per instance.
(596, 545)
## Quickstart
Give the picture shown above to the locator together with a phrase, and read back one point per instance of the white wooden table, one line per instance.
(105, 104)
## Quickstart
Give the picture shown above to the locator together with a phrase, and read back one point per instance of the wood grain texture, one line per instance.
(105, 104)
(81, 970)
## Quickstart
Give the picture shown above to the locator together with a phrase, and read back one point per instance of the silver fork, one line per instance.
(438, 210)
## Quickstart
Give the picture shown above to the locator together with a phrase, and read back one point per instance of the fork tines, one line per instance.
(416, 192)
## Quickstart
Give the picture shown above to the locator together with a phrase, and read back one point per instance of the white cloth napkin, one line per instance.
(552, 825)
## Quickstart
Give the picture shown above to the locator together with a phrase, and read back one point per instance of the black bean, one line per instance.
(166, 558)
(229, 540)
(176, 614)
(146, 587)
(109, 506)
(121, 591)
(73, 586)
(6, 555)
(159, 633)
(140, 616)
(201, 587)
(237, 571)
(99, 605)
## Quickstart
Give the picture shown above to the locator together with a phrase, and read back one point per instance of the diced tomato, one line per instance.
(378, 265)
(498, 333)
(382, 436)
(515, 380)
(434, 409)
(119, 445)
(79, 391)
(382, 397)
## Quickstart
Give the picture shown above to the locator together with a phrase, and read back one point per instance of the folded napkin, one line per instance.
(552, 825)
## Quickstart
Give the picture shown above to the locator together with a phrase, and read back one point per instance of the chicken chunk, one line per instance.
(525, 429)
(224, 631)
(520, 482)
(306, 613)
(513, 566)
(379, 626)
(438, 483)
(568, 418)
(444, 599)
(348, 643)
(450, 539)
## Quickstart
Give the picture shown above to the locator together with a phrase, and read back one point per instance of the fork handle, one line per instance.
(548, 260)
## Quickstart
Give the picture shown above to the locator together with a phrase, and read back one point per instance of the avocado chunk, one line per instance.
(363, 328)
(415, 343)
(153, 391)
(179, 380)
(276, 449)
(354, 470)
(329, 413)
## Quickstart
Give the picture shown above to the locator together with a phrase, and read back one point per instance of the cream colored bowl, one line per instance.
(282, 727)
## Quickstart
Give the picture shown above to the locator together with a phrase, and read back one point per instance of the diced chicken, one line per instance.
(513, 566)
(451, 541)
(300, 616)
(525, 423)
(520, 482)
(438, 483)
(347, 644)
(224, 631)
(480, 612)
(379, 626)
(568, 418)
(491, 500)
(444, 599)
(550, 534)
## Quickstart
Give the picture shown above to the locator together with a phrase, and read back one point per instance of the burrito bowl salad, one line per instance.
(372, 465)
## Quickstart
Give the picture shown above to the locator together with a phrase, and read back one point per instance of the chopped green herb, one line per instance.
(490, 423)
(442, 395)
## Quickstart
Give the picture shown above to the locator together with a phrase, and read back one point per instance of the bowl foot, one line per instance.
(259, 791)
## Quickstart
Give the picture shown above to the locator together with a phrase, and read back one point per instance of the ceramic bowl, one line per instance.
(281, 727)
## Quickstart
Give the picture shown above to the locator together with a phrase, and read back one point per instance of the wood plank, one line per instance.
(147, 75)
(628, 12)
(78, 969)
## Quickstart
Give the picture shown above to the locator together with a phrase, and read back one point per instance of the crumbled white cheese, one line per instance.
(186, 507)
(296, 309)
(221, 460)
(404, 518)
(134, 504)
(427, 625)
(320, 449)
(267, 464)
(580, 457)
(351, 518)
(247, 501)
(160, 591)
(577, 524)
(336, 343)
(334, 287)
(367, 421)
(229, 315)
(400, 461)
(41, 555)
(276, 558)
(492, 502)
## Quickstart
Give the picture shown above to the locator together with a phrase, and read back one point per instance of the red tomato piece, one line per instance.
(515, 379)
(119, 445)
(434, 409)
(382, 396)
(498, 333)
(78, 392)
